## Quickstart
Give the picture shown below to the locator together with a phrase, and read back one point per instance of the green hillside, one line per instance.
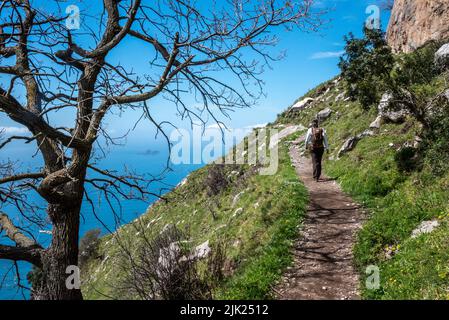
(399, 172)
(400, 190)
(256, 218)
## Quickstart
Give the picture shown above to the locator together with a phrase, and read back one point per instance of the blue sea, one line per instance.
(141, 160)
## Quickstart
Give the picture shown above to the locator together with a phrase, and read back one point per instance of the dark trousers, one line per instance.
(317, 157)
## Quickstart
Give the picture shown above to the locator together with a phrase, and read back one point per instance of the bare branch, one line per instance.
(27, 249)
(24, 176)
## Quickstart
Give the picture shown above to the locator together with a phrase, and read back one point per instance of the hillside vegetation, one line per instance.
(400, 172)
(254, 217)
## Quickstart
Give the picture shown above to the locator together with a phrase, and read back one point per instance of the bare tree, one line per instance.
(195, 48)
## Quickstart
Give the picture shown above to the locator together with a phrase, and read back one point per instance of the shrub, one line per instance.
(436, 142)
(216, 180)
(164, 267)
(417, 67)
(407, 159)
(36, 278)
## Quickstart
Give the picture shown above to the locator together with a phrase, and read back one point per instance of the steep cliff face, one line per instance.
(415, 22)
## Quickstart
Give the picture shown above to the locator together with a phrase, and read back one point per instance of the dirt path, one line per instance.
(323, 265)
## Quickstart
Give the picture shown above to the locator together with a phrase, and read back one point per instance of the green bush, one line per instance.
(407, 159)
(417, 67)
(89, 246)
(365, 65)
(436, 142)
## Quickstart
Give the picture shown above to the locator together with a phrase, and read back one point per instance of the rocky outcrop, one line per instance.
(442, 57)
(351, 143)
(324, 114)
(386, 110)
(302, 104)
(415, 22)
(376, 124)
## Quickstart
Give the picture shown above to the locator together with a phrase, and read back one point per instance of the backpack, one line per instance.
(317, 138)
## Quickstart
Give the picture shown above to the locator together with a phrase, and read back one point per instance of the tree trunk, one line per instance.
(63, 251)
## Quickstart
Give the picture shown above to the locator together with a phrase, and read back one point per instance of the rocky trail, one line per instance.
(323, 267)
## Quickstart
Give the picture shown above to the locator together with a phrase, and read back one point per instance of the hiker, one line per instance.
(316, 141)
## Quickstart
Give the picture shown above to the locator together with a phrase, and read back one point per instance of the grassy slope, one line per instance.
(258, 239)
(398, 202)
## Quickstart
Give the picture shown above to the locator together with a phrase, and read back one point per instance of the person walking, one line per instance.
(317, 142)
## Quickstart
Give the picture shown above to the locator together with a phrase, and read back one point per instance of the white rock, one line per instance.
(324, 114)
(300, 105)
(376, 123)
(166, 227)
(364, 134)
(417, 142)
(349, 145)
(183, 182)
(387, 114)
(167, 255)
(202, 251)
(237, 212)
(237, 198)
(236, 243)
(221, 227)
(442, 56)
(341, 96)
(326, 92)
(425, 227)
(153, 222)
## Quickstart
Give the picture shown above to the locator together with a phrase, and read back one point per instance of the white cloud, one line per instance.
(257, 126)
(13, 130)
(327, 54)
(321, 4)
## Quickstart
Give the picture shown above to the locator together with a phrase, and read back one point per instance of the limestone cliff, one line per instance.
(415, 22)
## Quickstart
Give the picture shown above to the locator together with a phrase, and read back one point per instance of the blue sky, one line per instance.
(311, 59)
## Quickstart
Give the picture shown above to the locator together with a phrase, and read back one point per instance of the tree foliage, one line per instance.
(366, 62)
